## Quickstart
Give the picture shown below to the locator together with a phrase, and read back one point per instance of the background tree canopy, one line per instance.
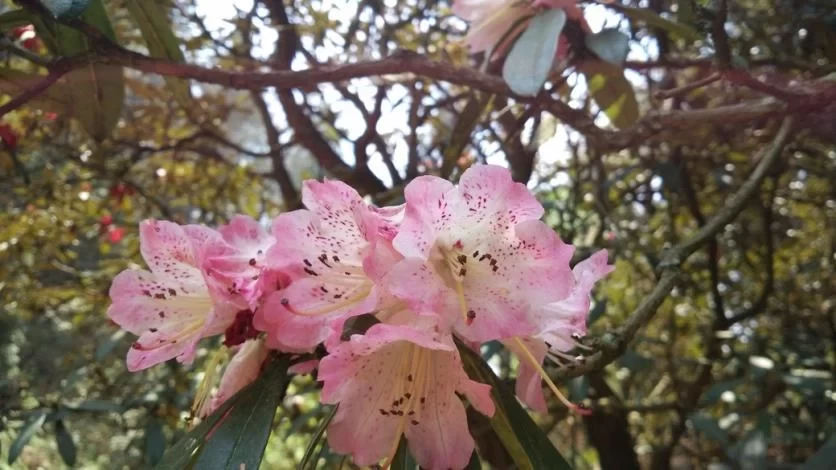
(705, 167)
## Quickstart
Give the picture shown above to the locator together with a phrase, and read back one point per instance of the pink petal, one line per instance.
(398, 379)
(239, 263)
(306, 236)
(529, 387)
(427, 213)
(169, 317)
(301, 316)
(561, 319)
(414, 281)
(493, 196)
(389, 220)
(490, 20)
(242, 370)
(330, 197)
(168, 250)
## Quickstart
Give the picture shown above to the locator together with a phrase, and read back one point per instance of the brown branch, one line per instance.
(611, 345)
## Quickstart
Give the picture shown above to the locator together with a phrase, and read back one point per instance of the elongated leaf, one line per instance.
(403, 459)
(611, 91)
(527, 444)
(14, 19)
(154, 441)
(683, 31)
(475, 463)
(823, 458)
(13, 82)
(610, 45)
(96, 93)
(100, 406)
(529, 63)
(66, 9)
(708, 427)
(66, 445)
(240, 439)
(32, 426)
(161, 42)
(236, 433)
(316, 438)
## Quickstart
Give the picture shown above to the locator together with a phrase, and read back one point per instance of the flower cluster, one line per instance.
(470, 261)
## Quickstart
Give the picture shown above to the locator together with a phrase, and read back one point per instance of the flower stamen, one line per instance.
(536, 365)
(206, 384)
(357, 295)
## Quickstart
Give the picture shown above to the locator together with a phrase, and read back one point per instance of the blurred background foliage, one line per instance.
(735, 370)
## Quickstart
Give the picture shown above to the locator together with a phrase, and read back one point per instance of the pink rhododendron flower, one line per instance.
(240, 264)
(332, 254)
(401, 380)
(477, 254)
(559, 323)
(491, 20)
(174, 305)
(242, 370)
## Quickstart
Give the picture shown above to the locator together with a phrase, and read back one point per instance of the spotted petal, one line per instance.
(400, 380)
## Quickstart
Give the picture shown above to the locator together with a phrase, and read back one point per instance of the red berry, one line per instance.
(115, 234)
(8, 136)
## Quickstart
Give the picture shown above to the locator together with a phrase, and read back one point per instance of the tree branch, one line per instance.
(611, 345)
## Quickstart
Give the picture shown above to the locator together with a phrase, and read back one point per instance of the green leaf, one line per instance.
(527, 444)
(403, 459)
(66, 445)
(823, 458)
(611, 91)
(13, 82)
(610, 45)
(161, 42)
(96, 93)
(14, 19)
(650, 18)
(713, 394)
(66, 9)
(529, 63)
(239, 428)
(597, 311)
(154, 441)
(634, 361)
(32, 426)
(100, 406)
(475, 462)
(317, 436)
(708, 427)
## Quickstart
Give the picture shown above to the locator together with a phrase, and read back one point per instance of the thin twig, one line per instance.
(613, 344)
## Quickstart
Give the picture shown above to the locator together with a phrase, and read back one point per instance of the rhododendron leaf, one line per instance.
(15, 18)
(234, 436)
(66, 9)
(610, 45)
(32, 426)
(528, 64)
(611, 91)
(527, 444)
(64, 442)
(677, 28)
(317, 438)
(823, 458)
(153, 22)
(154, 441)
(97, 92)
(403, 459)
